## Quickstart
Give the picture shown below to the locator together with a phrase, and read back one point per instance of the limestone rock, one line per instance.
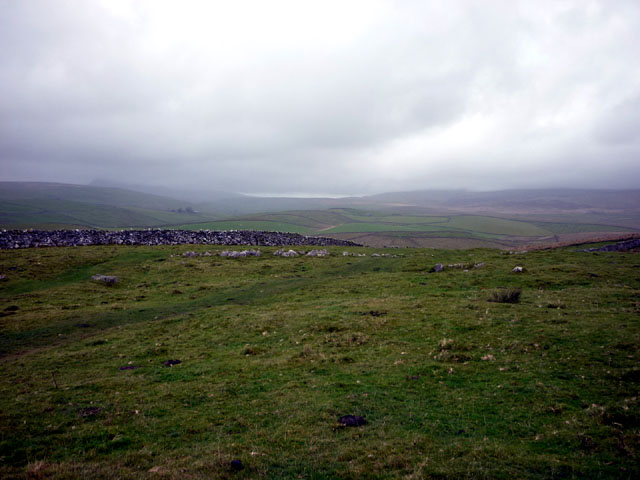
(106, 279)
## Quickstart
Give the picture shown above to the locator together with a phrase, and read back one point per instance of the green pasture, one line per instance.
(247, 225)
(273, 351)
(580, 227)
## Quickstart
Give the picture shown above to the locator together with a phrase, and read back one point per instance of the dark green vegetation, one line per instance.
(274, 350)
(505, 295)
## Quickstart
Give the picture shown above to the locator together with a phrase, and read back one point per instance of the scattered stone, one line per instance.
(171, 363)
(243, 253)
(488, 357)
(128, 367)
(236, 465)
(89, 411)
(438, 267)
(206, 254)
(106, 279)
(286, 253)
(318, 253)
(352, 421)
(478, 265)
(191, 253)
(3, 278)
(517, 270)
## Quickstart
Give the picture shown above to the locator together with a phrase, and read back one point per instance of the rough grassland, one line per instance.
(274, 350)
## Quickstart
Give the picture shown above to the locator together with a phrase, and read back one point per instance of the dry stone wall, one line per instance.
(10, 239)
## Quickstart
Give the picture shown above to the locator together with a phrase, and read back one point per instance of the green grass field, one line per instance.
(275, 350)
(248, 225)
(377, 228)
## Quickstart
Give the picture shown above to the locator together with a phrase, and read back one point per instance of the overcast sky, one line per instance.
(339, 97)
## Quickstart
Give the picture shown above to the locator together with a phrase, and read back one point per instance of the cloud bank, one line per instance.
(336, 97)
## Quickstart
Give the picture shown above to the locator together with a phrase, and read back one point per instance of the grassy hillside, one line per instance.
(38, 205)
(275, 350)
(117, 197)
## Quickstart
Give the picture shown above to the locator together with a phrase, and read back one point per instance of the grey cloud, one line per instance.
(621, 124)
(387, 98)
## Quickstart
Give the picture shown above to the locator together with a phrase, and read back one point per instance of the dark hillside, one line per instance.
(33, 204)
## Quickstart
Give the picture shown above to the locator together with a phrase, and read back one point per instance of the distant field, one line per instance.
(475, 223)
(315, 219)
(380, 229)
(247, 225)
(402, 219)
(580, 227)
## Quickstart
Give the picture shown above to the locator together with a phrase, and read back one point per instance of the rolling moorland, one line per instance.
(212, 367)
(441, 219)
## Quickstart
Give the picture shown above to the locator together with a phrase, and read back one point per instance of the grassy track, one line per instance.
(274, 350)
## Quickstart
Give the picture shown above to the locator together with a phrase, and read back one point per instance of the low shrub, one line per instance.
(505, 295)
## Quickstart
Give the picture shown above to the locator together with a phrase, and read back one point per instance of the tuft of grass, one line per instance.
(505, 295)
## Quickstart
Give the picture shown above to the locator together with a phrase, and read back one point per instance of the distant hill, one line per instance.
(446, 218)
(195, 196)
(58, 205)
(517, 201)
(512, 202)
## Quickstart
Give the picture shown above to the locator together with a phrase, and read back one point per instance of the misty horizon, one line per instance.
(321, 100)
